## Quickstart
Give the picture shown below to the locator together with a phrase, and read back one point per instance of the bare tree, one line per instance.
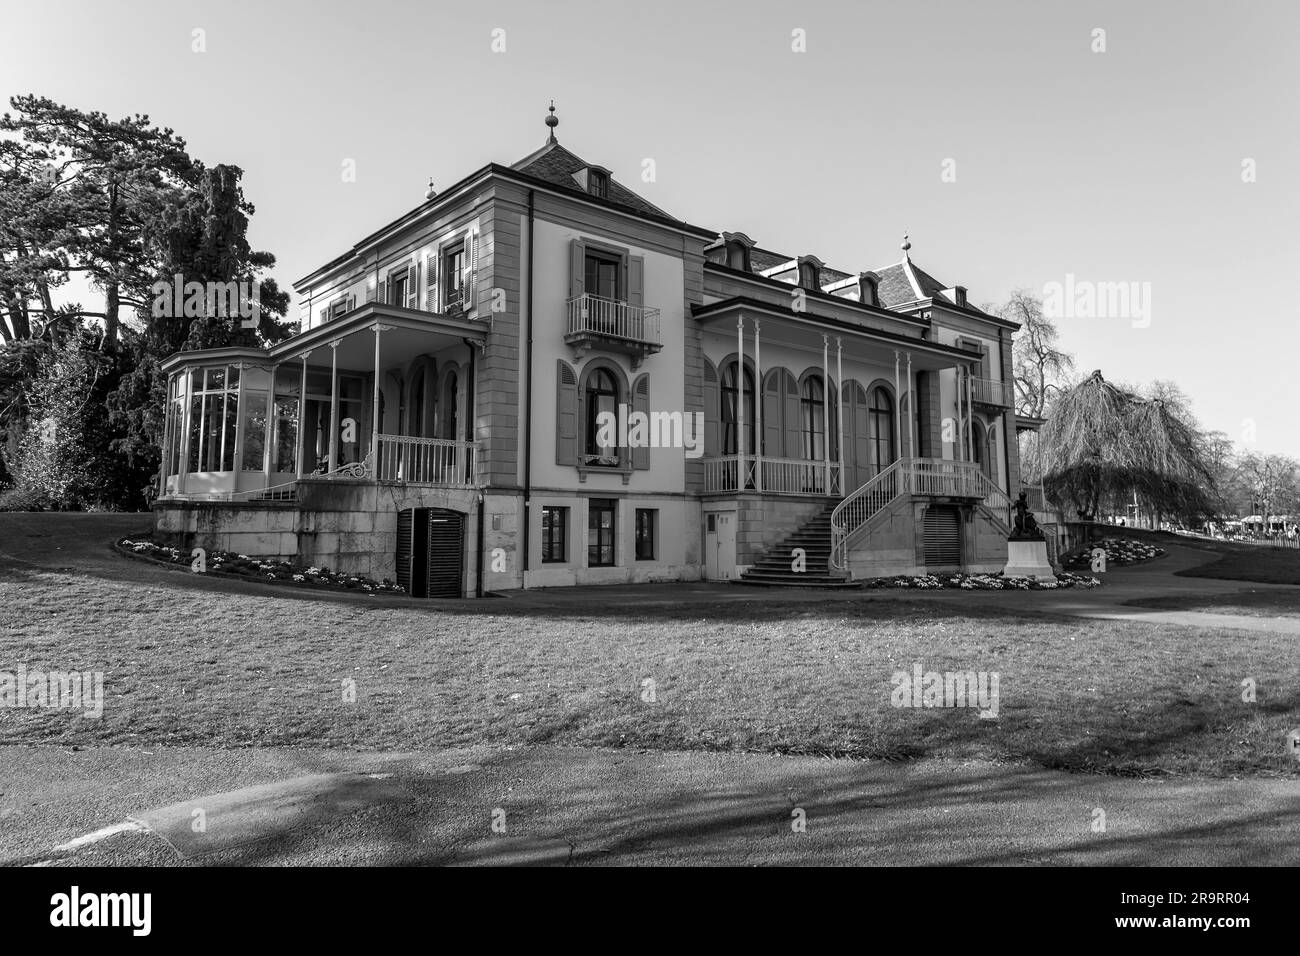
(1273, 482)
(1040, 366)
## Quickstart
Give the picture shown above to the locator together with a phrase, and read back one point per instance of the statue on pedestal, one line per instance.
(1025, 528)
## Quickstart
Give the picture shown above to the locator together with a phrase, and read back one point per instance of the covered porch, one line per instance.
(840, 405)
(380, 394)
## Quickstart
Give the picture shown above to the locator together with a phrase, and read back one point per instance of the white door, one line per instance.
(720, 546)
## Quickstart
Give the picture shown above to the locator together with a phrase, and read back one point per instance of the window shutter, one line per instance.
(566, 414)
(350, 303)
(412, 286)
(577, 267)
(772, 415)
(712, 417)
(469, 287)
(370, 291)
(641, 403)
(385, 290)
(790, 400)
(636, 280)
(431, 281)
(983, 370)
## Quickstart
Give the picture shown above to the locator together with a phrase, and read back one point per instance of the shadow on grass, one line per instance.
(855, 813)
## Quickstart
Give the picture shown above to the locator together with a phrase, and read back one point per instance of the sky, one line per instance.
(1013, 142)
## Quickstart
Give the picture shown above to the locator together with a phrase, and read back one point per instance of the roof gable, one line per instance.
(556, 165)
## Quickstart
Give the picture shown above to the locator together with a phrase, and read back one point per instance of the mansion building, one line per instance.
(437, 419)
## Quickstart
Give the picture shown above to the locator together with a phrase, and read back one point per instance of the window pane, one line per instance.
(230, 429)
(196, 433)
(286, 441)
(254, 431)
(210, 458)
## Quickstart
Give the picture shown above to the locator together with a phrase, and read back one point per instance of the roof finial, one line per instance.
(552, 121)
(430, 192)
(906, 245)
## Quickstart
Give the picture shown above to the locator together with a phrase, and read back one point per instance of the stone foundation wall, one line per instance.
(762, 523)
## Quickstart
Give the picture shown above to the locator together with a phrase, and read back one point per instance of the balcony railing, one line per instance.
(986, 391)
(426, 461)
(938, 477)
(591, 315)
(779, 476)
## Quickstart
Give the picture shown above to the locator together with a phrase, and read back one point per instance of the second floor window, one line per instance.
(602, 276)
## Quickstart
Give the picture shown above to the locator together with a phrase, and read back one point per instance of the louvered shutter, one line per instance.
(577, 267)
(412, 286)
(469, 287)
(712, 416)
(641, 403)
(772, 415)
(792, 424)
(385, 290)
(860, 421)
(566, 414)
(431, 282)
(942, 537)
(983, 370)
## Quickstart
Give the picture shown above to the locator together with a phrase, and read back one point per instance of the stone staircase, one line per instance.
(814, 536)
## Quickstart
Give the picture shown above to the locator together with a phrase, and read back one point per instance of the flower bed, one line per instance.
(262, 569)
(983, 582)
(1121, 551)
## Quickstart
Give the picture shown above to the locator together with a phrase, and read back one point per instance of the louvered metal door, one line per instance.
(942, 537)
(446, 553)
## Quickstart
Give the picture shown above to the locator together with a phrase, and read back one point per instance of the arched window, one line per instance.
(601, 397)
(730, 406)
(812, 418)
(880, 412)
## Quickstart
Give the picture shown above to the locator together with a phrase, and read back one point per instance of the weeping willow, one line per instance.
(1104, 444)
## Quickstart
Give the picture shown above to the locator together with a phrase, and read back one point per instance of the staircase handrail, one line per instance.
(861, 506)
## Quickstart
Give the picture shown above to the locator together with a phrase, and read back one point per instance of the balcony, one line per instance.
(776, 476)
(426, 461)
(986, 391)
(595, 322)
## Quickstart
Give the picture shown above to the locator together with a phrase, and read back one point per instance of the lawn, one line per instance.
(1251, 562)
(199, 667)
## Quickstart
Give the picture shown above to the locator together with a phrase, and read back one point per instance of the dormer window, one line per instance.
(810, 273)
(737, 255)
(598, 184)
(869, 288)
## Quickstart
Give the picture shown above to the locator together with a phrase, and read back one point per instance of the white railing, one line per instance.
(780, 476)
(988, 391)
(997, 500)
(942, 478)
(591, 313)
(426, 461)
(853, 513)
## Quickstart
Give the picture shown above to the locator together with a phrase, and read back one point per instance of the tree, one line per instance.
(1272, 481)
(1040, 367)
(102, 182)
(1107, 443)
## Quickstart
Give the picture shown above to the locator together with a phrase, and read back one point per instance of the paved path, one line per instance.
(569, 806)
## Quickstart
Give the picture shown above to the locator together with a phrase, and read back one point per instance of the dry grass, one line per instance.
(187, 666)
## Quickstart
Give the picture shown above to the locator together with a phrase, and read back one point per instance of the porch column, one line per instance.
(826, 408)
(758, 405)
(740, 403)
(374, 411)
(911, 411)
(186, 411)
(958, 443)
(272, 430)
(839, 406)
(302, 415)
(334, 406)
(970, 432)
(898, 399)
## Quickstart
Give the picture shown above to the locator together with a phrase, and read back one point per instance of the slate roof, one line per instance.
(556, 165)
